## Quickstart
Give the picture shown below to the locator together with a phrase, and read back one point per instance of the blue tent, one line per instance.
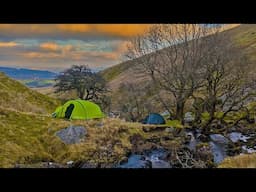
(154, 118)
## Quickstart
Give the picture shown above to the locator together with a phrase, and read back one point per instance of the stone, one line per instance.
(165, 113)
(218, 151)
(236, 136)
(248, 150)
(169, 129)
(70, 162)
(72, 134)
(189, 118)
(218, 138)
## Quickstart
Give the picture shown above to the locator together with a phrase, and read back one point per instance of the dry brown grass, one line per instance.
(240, 161)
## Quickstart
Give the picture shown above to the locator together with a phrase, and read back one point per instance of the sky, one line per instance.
(56, 47)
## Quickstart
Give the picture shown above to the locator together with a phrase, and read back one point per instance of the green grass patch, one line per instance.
(174, 123)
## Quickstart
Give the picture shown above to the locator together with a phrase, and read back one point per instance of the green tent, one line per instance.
(78, 109)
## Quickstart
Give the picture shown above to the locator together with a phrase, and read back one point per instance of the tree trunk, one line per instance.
(180, 111)
(212, 110)
(80, 94)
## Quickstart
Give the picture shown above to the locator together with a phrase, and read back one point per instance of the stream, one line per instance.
(152, 159)
(155, 158)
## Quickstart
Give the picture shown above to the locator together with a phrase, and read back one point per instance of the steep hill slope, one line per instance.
(14, 95)
(243, 36)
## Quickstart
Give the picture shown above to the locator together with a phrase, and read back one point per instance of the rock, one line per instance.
(72, 134)
(218, 138)
(248, 150)
(203, 137)
(190, 141)
(165, 113)
(70, 162)
(218, 151)
(233, 128)
(189, 118)
(148, 164)
(100, 125)
(88, 165)
(136, 161)
(169, 129)
(236, 136)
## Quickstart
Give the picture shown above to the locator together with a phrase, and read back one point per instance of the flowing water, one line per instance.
(156, 158)
(151, 159)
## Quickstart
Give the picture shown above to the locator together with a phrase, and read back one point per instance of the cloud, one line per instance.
(49, 46)
(71, 31)
(59, 46)
(8, 44)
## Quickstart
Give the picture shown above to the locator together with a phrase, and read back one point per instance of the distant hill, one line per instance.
(21, 73)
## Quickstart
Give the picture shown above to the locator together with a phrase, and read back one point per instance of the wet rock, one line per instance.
(136, 161)
(218, 153)
(218, 138)
(236, 136)
(190, 141)
(155, 158)
(72, 134)
(245, 149)
(89, 165)
(169, 129)
(189, 118)
(70, 163)
(165, 113)
(202, 137)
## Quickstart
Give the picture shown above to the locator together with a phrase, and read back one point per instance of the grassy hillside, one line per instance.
(30, 139)
(27, 132)
(38, 83)
(14, 95)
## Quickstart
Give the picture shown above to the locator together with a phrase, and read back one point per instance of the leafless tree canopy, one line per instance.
(191, 60)
(135, 105)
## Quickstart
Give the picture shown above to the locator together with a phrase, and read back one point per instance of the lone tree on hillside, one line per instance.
(87, 84)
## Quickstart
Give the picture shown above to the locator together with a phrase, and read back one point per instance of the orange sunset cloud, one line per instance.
(122, 30)
(8, 44)
(49, 46)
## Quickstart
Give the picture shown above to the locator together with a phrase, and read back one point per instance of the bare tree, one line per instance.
(227, 85)
(80, 78)
(135, 105)
(172, 55)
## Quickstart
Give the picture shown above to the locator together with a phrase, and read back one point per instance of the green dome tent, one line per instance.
(78, 109)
